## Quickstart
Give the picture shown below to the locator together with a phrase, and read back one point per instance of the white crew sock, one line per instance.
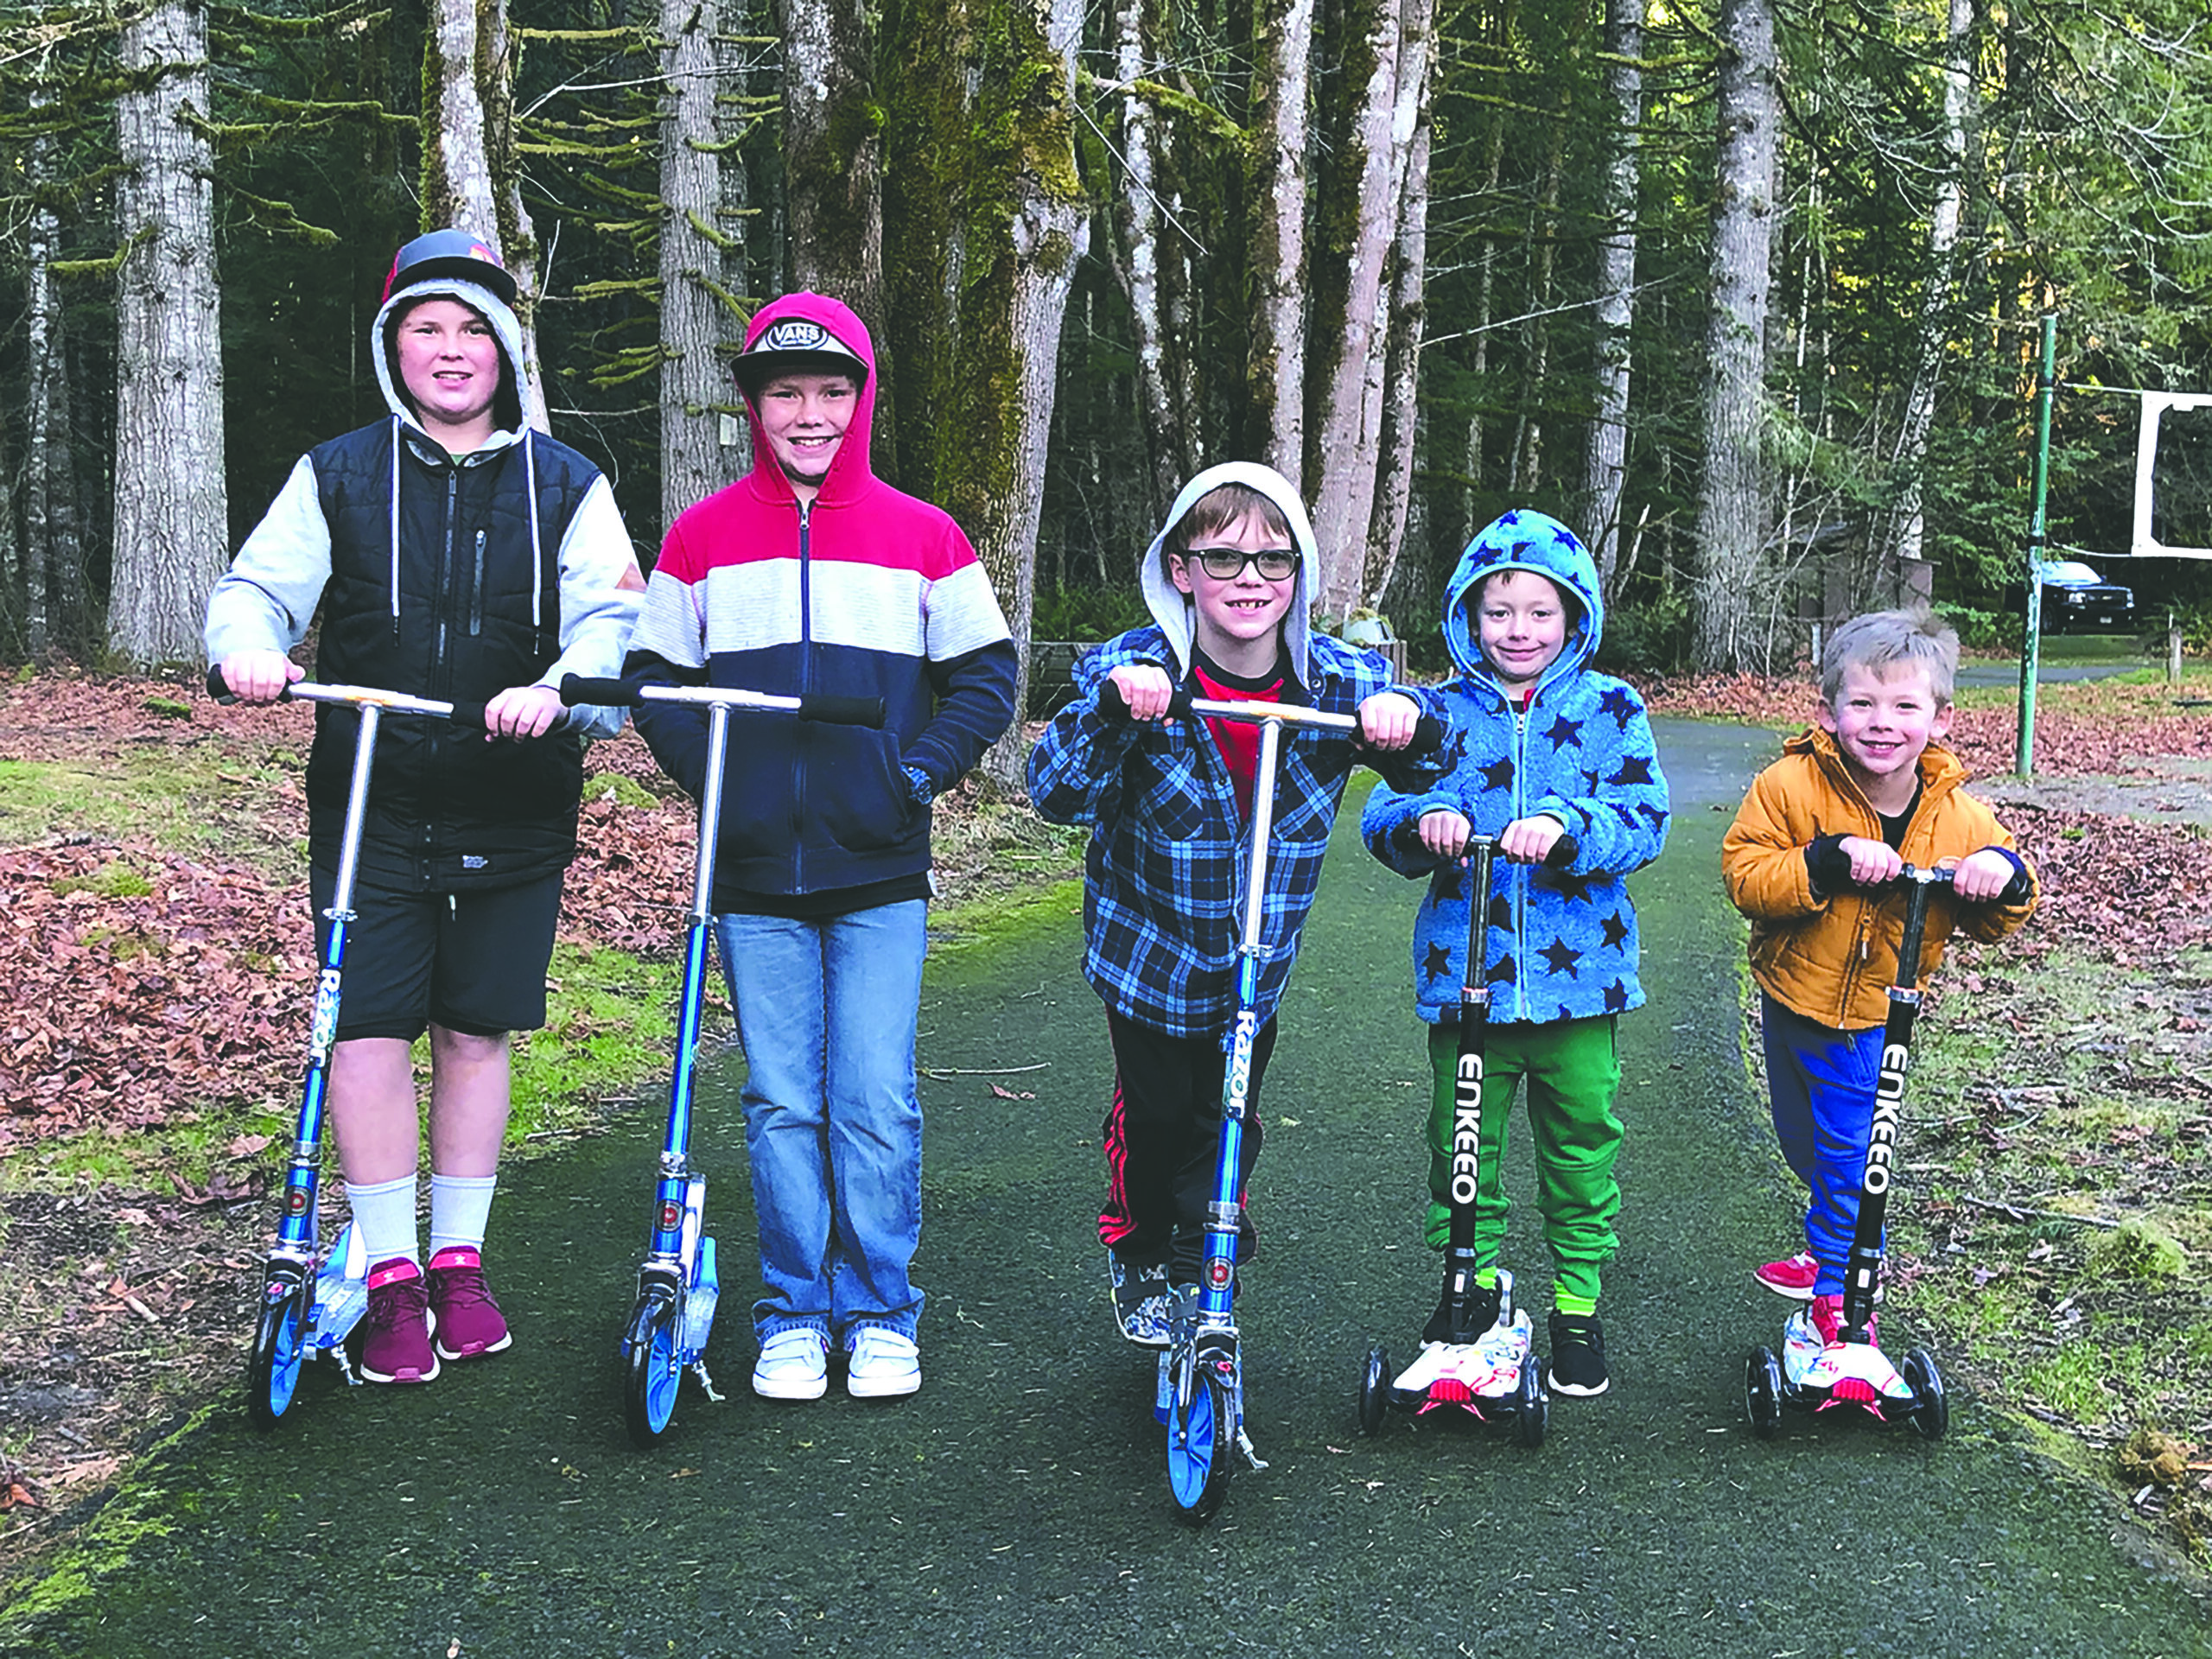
(459, 1205)
(384, 1212)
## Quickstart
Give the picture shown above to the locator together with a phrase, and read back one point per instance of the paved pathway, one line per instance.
(1017, 1505)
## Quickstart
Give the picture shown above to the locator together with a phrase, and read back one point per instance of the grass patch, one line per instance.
(196, 800)
(2058, 1143)
(611, 1027)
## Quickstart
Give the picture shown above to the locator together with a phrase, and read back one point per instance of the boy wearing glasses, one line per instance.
(1551, 749)
(1227, 580)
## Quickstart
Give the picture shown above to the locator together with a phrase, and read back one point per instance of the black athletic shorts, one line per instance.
(473, 962)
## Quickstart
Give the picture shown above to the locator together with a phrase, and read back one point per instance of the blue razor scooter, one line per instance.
(679, 1282)
(311, 1298)
(1809, 1375)
(1198, 1389)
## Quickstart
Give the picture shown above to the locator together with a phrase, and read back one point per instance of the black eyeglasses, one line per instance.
(1227, 564)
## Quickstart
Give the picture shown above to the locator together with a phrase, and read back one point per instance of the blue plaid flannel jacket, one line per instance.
(1163, 901)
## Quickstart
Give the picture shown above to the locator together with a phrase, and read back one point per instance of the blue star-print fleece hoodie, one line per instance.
(1562, 943)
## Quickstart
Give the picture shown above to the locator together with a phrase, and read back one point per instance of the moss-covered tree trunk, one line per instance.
(695, 388)
(1409, 321)
(1356, 223)
(1137, 257)
(1282, 48)
(472, 177)
(1731, 513)
(1605, 472)
(985, 219)
(833, 153)
(171, 520)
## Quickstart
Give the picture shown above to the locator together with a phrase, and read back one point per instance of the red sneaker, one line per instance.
(1828, 1319)
(469, 1322)
(1793, 1276)
(395, 1340)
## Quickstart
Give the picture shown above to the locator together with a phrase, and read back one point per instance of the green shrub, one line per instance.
(1087, 613)
(1652, 634)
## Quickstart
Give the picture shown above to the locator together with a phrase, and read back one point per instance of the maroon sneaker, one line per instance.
(395, 1341)
(469, 1322)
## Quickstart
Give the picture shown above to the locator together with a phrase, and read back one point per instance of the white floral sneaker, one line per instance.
(883, 1365)
(794, 1365)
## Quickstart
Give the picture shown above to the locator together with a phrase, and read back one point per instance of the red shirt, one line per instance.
(1237, 739)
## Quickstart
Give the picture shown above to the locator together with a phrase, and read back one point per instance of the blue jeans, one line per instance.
(833, 1129)
(1821, 1084)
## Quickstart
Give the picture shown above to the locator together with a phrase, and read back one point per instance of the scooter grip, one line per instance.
(606, 694)
(218, 687)
(842, 711)
(1562, 853)
(1429, 733)
(1114, 706)
(469, 716)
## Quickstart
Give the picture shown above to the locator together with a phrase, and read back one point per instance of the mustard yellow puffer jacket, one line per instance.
(1832, 959)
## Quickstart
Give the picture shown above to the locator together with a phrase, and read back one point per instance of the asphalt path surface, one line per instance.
(1018, 1505)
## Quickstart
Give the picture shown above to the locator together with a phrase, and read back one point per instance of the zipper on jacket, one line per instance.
(445, 570)
(476, 591)
(805, 684)
(1520, 871)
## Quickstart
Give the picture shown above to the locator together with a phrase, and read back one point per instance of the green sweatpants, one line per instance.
(1574, 1076)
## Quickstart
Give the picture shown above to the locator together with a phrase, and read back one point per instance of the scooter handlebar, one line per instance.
(467, 714)
(1428, 734)
(605, 694)
(1564, 851)
(815, 706)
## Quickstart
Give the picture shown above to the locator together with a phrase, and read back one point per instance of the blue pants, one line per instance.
(826, 1010)
(1821, 1083)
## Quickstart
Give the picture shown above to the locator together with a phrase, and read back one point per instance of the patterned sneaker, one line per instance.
(1482, 1312)
(794, 1365)
(884, 1364)
(1578, 1355)
(1826, 1313)
(396, 1333)
(1142, 1302)
(468, 1322)
(1793, 1276)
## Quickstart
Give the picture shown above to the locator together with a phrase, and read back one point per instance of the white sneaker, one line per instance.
(794, 1365)
(884, 1364)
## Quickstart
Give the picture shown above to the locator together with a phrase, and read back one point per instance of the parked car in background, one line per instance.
(2076, 597)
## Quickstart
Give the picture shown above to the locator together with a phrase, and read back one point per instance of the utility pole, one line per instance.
(2024, 749)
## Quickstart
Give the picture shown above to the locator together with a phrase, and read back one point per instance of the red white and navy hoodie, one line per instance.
(865, 593)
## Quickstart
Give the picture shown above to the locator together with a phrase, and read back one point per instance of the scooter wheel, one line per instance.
(1531, 1408)
(1762, 1392)
(1931, 1409)
(1200, 1436)
(1374, 1390)
(273, 1365)
(650, 1373)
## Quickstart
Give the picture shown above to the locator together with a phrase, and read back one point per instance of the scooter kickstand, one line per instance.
(706, 1383)
(1244, 1444)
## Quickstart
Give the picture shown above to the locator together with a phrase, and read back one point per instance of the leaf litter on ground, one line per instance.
(157, 993)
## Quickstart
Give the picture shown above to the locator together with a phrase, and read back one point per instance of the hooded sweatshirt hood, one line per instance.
(1524, 541)
(851, 474)
(507, 330)
(1173, 609)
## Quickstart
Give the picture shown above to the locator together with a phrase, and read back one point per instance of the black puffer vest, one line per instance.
(470, 607)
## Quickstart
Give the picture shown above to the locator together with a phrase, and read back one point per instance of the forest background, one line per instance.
(1749, 292)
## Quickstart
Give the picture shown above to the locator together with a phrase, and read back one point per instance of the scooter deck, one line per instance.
(1480, 1377)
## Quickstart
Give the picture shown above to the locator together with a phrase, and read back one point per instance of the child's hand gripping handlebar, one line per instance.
(1406, 838)
(1428, 734)
(469, 716)
(621, 693)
